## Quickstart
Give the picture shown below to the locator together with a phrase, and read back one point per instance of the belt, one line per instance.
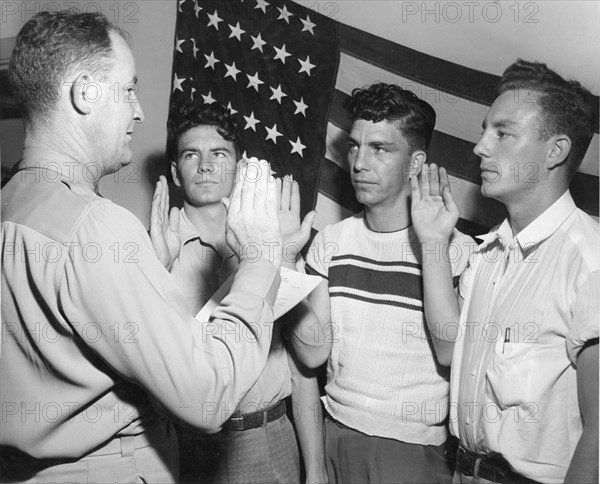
(492, 468)
(257, 419)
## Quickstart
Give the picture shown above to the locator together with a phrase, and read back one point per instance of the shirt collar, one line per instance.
(537, 231)
(187, 231)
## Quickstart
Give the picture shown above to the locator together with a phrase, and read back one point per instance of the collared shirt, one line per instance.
(202, 266)
(90, 317)
(530, 304)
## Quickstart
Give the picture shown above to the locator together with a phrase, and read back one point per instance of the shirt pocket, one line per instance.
(510, 378)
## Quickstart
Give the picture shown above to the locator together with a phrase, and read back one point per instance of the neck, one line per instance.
(521, 213)
(60, 146)
(390, 217)
(209, 220)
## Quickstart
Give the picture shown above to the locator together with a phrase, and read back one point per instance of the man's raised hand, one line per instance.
(252, 229)
(164, 225)
(433, 210)
(295, 234)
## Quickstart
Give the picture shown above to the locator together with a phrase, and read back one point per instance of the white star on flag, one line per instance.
(192, 93)
(262, 5)
(297, 146)
(258, 42)
(214, 20)
(277, 94)
(308, 25)
(178, 44)
(254, 81)
(273, 133)
(284, 14)
(211, 60)
(194, 49)
(181, 2)
(231, 110)
(177, 83)
(232, 71)
(208, 99)
(197, 8)
(300, 107)
(236, 32)
(251, 122)
(306, 65)
(281, 54)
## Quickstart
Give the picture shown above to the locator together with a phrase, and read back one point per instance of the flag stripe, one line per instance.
(428, 70)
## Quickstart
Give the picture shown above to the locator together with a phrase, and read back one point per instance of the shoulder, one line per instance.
(581, 233)
(335, 232)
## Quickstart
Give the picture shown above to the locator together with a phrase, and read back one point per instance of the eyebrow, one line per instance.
(501, 123)
(212, 150)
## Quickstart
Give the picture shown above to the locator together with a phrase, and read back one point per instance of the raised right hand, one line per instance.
(433, 210)
(252, 228)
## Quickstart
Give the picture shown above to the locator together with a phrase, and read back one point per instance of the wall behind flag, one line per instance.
(566, 36)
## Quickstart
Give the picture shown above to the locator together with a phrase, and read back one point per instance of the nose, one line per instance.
(138, 112)
(482, 147)
(358, 160)
(205, 166)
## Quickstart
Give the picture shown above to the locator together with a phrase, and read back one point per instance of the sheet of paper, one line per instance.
(294, 287)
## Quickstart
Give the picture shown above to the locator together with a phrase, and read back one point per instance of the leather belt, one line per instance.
(492, 468)
(254, 420)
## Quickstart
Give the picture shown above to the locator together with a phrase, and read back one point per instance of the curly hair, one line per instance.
(414, 118)
(185, 116)
(50, 46)
(565, 106)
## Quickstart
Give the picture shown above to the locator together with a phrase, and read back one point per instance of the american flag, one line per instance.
(273, 65)
(348, 58)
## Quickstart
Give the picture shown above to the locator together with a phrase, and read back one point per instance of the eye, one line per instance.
(503, 134)
(219, 154)
(189, 155)
(379, 150)
(352, 146)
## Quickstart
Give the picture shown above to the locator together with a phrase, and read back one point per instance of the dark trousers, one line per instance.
(356, 458)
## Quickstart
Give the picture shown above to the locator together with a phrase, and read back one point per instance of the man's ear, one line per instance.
(560, 148)
(175, 173)
(84, 92)
(417, 160)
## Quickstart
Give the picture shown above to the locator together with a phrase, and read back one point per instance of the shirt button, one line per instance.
(468, 421)
(473, 372)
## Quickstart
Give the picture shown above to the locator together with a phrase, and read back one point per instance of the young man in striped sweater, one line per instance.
(386, 394)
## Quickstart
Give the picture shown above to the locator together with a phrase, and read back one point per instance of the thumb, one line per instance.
(307, 224)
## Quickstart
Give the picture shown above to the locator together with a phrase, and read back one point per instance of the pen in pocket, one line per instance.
(506, 338)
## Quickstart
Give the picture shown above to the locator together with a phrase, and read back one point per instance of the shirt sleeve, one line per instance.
(197, 372)
(586, 316)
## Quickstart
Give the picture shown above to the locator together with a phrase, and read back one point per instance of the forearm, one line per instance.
(308, 418)
(439, 299)
(584, 464)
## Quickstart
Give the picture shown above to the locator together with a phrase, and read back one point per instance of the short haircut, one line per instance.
(49, 47)
(565, 106)
(414, 118)
(185, 116)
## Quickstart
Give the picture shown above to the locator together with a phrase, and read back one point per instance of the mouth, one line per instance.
(359, 181)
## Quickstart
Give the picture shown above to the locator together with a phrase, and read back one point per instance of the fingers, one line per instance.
(278, 184)
(174, 219)
(425, 181)
(286, 191)
(234, 202)
(270, 187)
(295, 197)
(434, 181)
(414, 187)
(449, 201)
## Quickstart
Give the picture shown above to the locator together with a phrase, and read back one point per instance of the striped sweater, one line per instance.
(382, 376)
